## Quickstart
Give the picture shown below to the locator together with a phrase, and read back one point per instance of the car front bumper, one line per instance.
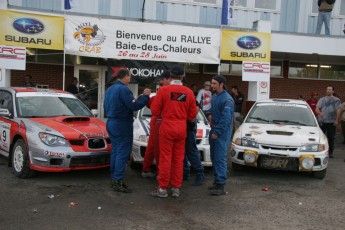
(283, 159)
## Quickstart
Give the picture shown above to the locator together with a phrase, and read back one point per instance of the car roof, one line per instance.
(32, 90)
(281, 100)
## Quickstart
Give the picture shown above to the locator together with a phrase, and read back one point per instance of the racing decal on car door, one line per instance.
(5, 136)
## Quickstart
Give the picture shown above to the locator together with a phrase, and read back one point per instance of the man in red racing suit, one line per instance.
(176, 104)
(152, 149)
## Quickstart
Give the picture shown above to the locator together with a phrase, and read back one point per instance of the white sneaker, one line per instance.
(175, 192)
(159, 192)
(147, 174)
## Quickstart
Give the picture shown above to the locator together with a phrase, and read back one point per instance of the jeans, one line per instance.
(329, 130)
(219, 149)
(326, 18)
(192, 154)
(121, 136)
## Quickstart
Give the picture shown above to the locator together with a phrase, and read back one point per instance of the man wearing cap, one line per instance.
(176, 104)
(312, 102)
(152, 149)
(223, 106)
(119, 105)
(204, 98)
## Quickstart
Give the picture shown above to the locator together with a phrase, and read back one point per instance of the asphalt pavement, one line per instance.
(84, 200)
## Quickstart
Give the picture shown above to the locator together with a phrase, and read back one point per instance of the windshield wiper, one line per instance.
(259, 119)
(291, 122)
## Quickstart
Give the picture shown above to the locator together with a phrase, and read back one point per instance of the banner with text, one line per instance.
(256, 71)
(12, 57)
(118, 39)
(245, 46)
(142, 72)
(31, 30)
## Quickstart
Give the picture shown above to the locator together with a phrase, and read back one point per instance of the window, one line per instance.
(6, 101)
(266, 4)
(192, 68)
(211, 68)
(342, 7)
(303, 70)
(206, 1)
(240, 3)
(334, 72)
(276, 68)
(315, 7)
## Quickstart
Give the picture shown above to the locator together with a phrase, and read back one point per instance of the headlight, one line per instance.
(307, 163)
(312, 148)
(249, 143)
(249, 157)
(143, 138)
(52, 140)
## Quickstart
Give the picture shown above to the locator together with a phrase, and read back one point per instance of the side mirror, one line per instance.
(5, 113)
(94, 112)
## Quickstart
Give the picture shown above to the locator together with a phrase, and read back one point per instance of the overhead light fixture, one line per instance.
(309, 65)
(326, 66)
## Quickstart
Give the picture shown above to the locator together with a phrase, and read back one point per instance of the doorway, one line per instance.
(92, 86)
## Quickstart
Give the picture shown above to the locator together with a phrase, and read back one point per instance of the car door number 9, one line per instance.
(4, 136)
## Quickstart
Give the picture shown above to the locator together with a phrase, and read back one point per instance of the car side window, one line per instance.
(6, 101)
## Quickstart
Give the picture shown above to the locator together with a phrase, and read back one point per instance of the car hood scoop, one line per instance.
(282, 133)
(72, 119)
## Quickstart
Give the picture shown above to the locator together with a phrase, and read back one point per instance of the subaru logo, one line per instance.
(28, 26)
(248, 42)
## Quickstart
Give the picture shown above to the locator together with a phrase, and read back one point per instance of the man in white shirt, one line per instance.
(204, 98)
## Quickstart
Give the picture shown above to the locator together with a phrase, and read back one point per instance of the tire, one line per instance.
(319, 174)
(20, 160)
(236, 167)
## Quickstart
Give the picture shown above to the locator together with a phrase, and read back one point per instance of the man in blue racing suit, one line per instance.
(222, 111)
(119, 105)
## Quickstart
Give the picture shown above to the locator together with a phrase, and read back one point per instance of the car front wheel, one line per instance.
(319, 174)
(236, 167)
(20, 160)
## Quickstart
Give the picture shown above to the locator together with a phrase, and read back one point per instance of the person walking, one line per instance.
(119, 105)
(328, 110)
(152, 149)
(325, 13)
(223, 107)
(176, 104)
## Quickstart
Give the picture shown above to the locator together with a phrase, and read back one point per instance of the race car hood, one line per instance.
(70, 127)
(277, 134)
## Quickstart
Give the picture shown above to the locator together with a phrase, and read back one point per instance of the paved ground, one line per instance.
(293, 201)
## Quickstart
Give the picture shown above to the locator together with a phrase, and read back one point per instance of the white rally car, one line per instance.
(281, 134)
(141, 132)
(51, 131)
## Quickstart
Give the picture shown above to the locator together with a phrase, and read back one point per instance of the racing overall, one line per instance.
(222, 114)
(151, 149)
(176, 104)
(119, 105)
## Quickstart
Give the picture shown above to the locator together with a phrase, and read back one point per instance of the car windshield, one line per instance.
(146, 112)
(48, 106)
(281, 113)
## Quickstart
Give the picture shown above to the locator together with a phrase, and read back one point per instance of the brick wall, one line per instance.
(280, 87)
(43, 74)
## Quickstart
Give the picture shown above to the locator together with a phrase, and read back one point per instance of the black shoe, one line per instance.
(120, 186)
(212, 187)
(199, 179)
(218, 190)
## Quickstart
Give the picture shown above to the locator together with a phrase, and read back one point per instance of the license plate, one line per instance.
(275, 162)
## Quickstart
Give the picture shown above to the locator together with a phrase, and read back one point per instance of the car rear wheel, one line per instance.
(236, 167)
(135, 165)
(319, 174)
(20, 160)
